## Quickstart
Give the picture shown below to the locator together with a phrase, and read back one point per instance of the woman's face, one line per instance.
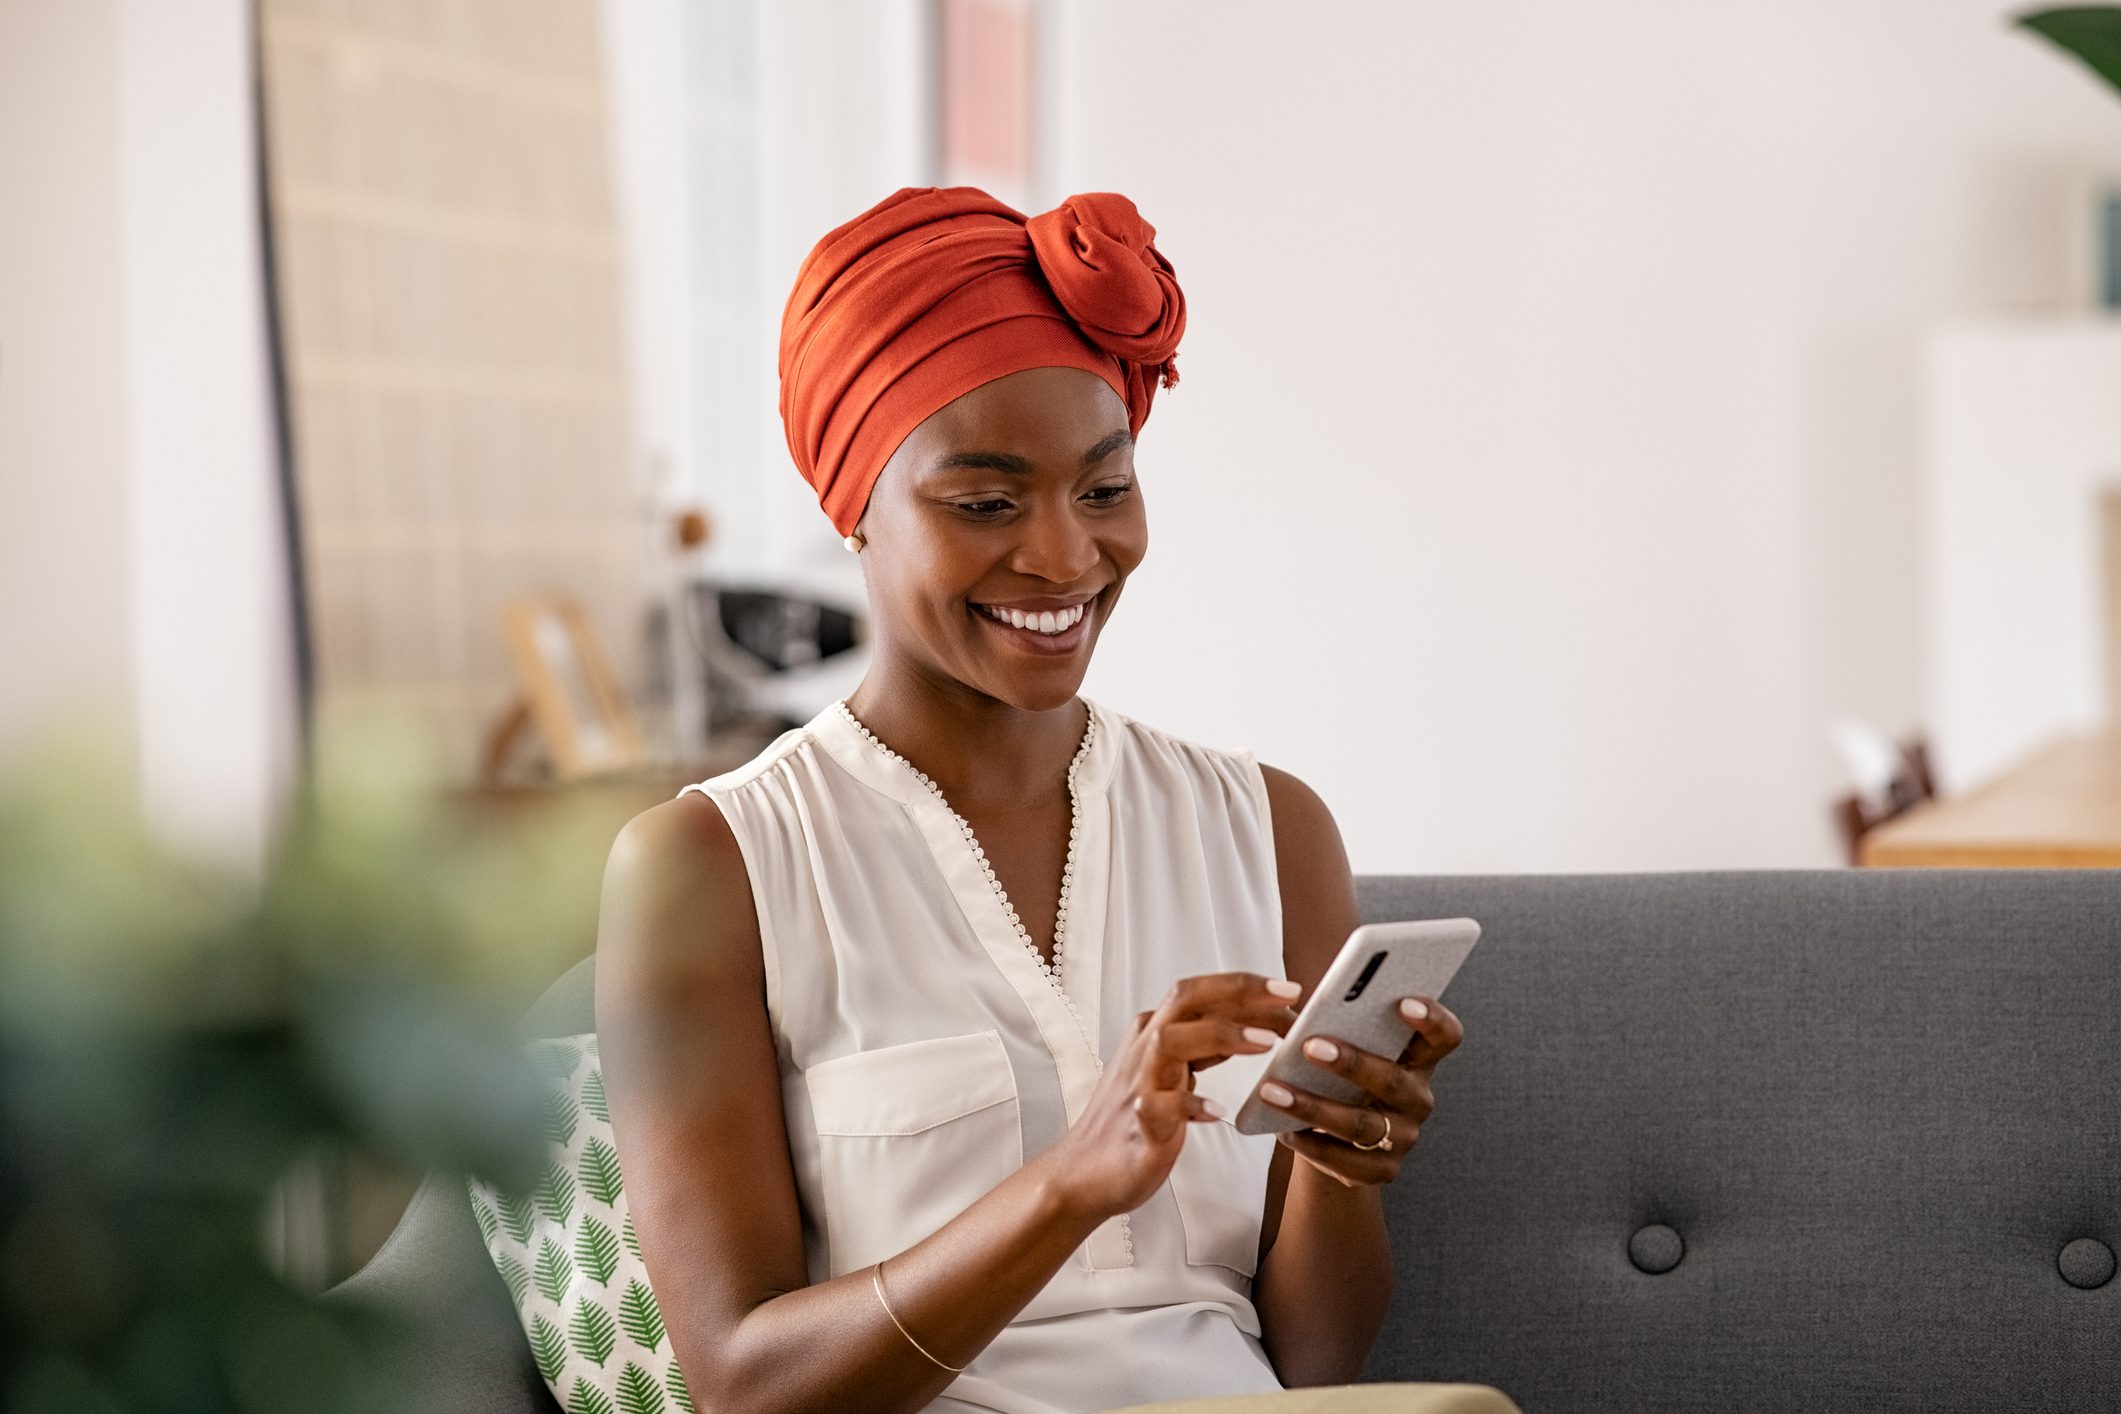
(1001, 532)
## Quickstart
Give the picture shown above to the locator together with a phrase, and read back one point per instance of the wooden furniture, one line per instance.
(569, 693)
(1857, 814)
(2061, 809)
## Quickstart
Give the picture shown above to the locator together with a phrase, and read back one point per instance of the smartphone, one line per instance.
(1358, 1002)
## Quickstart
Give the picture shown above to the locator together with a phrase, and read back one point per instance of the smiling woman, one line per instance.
(900, 1020)
(1012, 516)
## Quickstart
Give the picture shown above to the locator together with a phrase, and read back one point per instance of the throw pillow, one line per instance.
(567, 1253)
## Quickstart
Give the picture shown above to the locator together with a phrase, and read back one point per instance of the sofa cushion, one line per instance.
(1832, 1141)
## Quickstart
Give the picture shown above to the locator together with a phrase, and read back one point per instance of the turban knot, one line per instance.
(932, 292)
(1095, 252)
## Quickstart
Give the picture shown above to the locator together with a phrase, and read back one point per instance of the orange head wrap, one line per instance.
(932, 292)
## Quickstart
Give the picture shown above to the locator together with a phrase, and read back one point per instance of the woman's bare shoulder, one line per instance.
(676, 893)
(1318, 906)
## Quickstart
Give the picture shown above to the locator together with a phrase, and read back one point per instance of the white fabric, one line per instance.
(925, 1056)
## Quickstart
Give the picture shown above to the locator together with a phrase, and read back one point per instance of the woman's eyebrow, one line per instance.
(1021, 466)
(1107, 447)
(980, 461)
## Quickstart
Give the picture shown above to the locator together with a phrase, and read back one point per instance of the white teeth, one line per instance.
(1047, 622)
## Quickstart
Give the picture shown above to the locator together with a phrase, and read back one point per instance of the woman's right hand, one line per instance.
(1121, 1148)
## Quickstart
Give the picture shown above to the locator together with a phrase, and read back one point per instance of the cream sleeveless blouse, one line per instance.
(925, 1054)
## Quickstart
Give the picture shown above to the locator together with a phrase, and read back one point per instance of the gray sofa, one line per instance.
(1762, 1141)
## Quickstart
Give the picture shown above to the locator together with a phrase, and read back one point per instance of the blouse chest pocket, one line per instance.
(908, 1137)
(1220, 1184)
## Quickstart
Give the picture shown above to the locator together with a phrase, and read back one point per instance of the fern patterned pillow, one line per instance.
(567, 1251)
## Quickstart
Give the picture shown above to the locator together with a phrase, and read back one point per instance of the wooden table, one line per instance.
(2059, 810)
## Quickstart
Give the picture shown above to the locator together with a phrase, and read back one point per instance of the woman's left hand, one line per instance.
(1363, 1144)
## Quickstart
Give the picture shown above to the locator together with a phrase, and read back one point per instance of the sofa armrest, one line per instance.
(462, 1350)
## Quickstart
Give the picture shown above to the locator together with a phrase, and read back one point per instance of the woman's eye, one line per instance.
(983, 509)
(1106, 495)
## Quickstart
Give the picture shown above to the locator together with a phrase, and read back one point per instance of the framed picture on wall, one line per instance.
(569, 692)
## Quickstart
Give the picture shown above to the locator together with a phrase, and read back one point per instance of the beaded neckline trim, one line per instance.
(1050, 970)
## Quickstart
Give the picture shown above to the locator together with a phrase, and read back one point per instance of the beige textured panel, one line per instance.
(449, 286)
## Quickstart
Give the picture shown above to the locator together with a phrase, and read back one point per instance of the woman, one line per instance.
(900, 1019)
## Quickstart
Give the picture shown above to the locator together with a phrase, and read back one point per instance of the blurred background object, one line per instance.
(1887, 779)
(192, 1070)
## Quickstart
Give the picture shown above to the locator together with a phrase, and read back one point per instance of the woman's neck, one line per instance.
(983, 754)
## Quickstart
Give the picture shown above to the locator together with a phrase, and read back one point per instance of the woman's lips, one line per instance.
(1048, 644)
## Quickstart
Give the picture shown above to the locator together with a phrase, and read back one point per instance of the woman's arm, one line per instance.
(695, 1095)
(1326, 1275)
(694, 1087)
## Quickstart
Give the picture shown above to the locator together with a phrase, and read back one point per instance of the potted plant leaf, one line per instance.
(175, 1043)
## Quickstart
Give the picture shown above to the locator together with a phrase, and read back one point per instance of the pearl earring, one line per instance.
(854, 543)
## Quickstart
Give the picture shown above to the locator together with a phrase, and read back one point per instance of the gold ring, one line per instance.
(1384, 1142)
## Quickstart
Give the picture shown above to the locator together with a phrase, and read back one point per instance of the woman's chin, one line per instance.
(1033, 672)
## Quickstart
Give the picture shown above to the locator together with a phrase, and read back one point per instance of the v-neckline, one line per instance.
(1067, 1012)
(1065, 1008)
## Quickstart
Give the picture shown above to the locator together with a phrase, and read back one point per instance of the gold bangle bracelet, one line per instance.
(876, 1279)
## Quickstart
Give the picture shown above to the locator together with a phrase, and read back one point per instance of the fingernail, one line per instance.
(1214, 1110)
(1413, 1010)
(1276, 1094)
(1283, 987)
(1260, 1036)
(1319, 1048)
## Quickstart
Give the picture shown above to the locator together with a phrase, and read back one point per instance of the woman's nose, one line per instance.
(1057, 546)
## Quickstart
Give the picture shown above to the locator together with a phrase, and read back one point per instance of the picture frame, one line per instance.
(569, 692)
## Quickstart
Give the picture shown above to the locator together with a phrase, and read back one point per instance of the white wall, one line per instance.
(1544, 471)
(140, 555)
(212, 641)
(2023, 438)
(65, 596)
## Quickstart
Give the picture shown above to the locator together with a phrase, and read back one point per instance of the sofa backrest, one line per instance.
(1832, 1141)
(1818, 1141)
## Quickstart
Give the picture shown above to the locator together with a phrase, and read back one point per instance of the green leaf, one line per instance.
(600, 1172)
(517, 1215)
(2090, 32)
(638, 1391)
(556, 1059)
(596, 1250)
(593, 1096)
(680, 1395)
(561, 1116)
(513, 1275)
(633, 1244)
(482, 1214)
(554, 1271)
(587, 1399)
(548, 1347)
(639, 1314)
(555, 1193)
(591, 1331)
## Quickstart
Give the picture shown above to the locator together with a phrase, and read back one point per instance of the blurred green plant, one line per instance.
(2090, 32)
(174, 1043)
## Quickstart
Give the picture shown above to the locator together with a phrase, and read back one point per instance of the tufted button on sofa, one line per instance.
(2087, 1263)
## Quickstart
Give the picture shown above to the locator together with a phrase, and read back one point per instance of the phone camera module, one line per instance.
(1369, 970)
